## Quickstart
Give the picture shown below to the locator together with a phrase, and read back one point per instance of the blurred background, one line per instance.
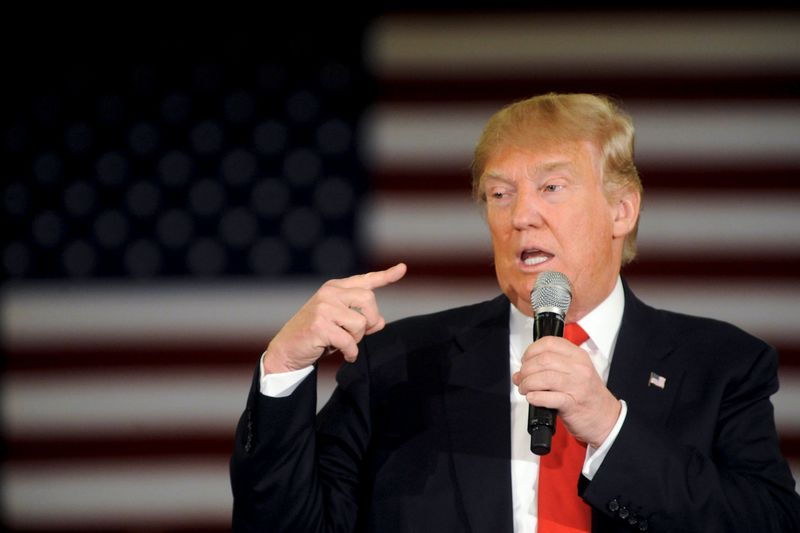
(175, 185)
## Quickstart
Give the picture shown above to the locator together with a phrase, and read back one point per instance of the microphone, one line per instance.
(550, 299)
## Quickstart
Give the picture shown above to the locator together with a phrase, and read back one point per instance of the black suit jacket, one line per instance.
(416, 436)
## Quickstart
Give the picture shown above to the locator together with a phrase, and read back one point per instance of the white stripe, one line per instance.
(723, 224)
(47, 313)
(727, 224)
(112, 495)
(787, 403)
(120, 403)
(52, 314)
(128, 314)
(96, 496)
(795, 466)
(176, 403)
(443, 136)
(422, 136)
(495, 44)
(134, 403)
(444, 226)
(700, 134)
(766, 308)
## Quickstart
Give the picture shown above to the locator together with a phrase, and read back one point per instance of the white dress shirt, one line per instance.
(602, 325)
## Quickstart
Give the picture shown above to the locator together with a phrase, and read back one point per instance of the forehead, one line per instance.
(578, 157)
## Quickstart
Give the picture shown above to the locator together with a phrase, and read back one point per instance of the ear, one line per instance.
(626, 211)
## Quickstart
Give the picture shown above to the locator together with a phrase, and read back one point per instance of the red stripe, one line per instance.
(790, 446)
(761, 177)
(87, 448)
(785, 267)
(134, 356)
(79, 361)
(214, 447)
(696, 87)
(140, 357)
(126, 525)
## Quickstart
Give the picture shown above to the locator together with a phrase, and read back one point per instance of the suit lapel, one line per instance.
(642, 372)
(642, 349)
(477, 406)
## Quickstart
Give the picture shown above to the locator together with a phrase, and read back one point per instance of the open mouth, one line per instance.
(533, 257)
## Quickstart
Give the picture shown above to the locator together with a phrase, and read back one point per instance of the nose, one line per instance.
(526, 211)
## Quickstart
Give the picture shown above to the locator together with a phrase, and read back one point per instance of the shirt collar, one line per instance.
(603, 322)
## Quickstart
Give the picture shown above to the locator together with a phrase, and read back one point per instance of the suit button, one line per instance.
(643, 525)
(623, 513)
(633, 519)
(613, 505)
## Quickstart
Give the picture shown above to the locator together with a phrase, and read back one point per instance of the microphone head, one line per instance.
(552, 293)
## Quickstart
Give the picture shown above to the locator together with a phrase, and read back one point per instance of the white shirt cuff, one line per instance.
(281, 384)
(594, 457)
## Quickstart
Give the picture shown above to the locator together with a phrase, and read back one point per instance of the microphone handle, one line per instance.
(542, 420)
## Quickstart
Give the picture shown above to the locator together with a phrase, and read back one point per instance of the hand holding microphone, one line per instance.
(558, 378)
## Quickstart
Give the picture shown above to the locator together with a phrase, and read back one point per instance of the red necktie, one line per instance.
(561, 510)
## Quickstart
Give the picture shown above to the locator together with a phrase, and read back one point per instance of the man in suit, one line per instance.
(668, 415)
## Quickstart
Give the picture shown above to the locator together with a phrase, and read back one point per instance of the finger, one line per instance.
(363, 301)
(354, 322)
(377, 326)
(344, 300)
(373, 321)
(342, 340)
(553, 346)
(546, 380)
(360, 300)
(338, 327)
(374, 280)
(547, 362)
(549, 399)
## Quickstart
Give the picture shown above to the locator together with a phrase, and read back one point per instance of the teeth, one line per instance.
(535, 260)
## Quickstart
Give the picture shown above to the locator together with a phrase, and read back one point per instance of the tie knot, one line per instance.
(575, 334)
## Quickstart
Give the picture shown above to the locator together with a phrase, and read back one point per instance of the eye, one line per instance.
(498, 193)
(552, 187)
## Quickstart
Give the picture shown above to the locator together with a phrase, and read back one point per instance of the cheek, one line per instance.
(499, 228)
(597, 236)
(584, 235)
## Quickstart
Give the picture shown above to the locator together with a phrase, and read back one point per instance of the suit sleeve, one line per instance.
(659, 478)
(285, 475)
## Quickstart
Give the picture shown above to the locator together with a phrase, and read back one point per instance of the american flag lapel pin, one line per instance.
(656, 380)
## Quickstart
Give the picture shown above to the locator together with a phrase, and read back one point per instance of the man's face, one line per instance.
(547, 210)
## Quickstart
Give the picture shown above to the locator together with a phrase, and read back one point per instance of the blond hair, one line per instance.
(556, 117)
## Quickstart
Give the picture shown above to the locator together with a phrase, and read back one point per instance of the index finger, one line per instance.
(550, 345)
(374, 280)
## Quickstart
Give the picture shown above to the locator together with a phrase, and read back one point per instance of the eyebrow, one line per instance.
(495, 176)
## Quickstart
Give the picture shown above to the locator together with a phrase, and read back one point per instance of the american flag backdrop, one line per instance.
(174, 189)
